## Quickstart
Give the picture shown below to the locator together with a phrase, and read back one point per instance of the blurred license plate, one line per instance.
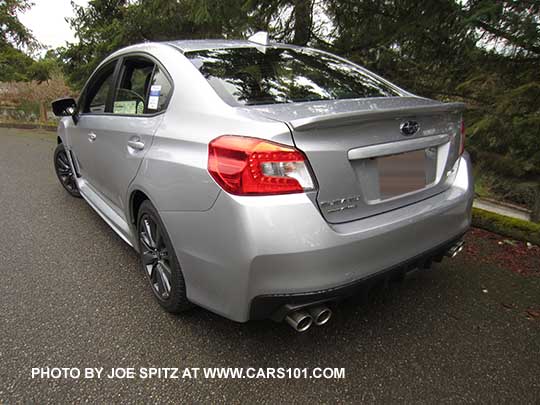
(401, 174)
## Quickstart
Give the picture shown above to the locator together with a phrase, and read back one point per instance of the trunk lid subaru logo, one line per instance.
(409, 128)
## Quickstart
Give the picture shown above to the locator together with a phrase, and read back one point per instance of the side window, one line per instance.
(160, 90)
(98, 90)
(132, 92)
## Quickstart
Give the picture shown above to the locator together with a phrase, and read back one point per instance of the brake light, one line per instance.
(462, 138)
(251, 166)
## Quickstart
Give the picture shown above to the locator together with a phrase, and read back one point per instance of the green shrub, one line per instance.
(511, 227)
(494, 184)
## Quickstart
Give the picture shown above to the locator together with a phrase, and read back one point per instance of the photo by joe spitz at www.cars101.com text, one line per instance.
(262, 180)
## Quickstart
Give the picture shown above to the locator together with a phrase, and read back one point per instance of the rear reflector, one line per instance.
(251, 166)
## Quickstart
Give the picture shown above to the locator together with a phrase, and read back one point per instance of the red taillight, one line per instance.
(251, 166)
(462, 138)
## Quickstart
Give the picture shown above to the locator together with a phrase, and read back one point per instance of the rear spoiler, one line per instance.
(347, 118)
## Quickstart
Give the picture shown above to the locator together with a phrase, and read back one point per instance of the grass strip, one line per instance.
(510, 227)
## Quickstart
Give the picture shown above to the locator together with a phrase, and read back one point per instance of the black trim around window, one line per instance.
(116, 78)
(91, 84)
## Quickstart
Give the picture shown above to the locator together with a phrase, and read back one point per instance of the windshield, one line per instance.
(249, 76)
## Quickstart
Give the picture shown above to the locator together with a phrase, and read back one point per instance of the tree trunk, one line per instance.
(302, 21)
(42, 112)
(535, 214)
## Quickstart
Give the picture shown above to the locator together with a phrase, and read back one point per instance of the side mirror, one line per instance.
(64, 107)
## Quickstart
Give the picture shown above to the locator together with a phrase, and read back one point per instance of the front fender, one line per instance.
(63, 131)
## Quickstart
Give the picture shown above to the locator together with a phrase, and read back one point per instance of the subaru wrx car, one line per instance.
(263, 180)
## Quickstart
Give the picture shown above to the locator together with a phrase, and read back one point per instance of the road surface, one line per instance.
(73, 295)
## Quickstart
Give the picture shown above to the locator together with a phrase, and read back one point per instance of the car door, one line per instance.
(124, 135)
(93, 107)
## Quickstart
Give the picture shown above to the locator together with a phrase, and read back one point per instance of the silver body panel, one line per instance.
(336, 134)
(245, 247)
(233, 248)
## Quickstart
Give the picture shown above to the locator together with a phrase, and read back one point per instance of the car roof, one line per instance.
(205, 44)
(189, 45)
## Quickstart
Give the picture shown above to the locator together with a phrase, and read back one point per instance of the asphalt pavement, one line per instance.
(72, 295)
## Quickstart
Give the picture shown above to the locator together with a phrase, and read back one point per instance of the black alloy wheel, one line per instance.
(159, 261)
(65, 175)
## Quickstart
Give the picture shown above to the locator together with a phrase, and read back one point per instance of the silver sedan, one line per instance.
(262, 180)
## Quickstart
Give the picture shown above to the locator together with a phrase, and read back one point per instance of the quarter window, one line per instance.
(160, 90)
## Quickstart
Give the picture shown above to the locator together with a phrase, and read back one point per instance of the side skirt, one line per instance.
(109, 215)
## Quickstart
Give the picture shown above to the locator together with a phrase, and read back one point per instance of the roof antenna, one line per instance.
(260, 38)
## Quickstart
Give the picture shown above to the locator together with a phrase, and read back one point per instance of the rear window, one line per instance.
(251, 76)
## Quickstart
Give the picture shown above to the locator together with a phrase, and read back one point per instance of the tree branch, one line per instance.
(506, 35)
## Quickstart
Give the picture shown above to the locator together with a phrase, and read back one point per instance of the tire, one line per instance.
(159, 261)
(63, 171)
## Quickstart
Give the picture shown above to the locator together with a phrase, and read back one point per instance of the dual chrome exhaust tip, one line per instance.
(455, 249)
(302, 319)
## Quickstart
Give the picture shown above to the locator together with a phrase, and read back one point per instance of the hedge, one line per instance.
(511, 227)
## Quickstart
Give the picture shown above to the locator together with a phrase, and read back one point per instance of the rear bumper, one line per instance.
(246, 249)
(276, 306)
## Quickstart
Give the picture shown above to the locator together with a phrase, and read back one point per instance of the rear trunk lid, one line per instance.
(366, 155)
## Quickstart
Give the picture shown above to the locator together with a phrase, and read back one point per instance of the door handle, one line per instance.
(136, 144)
(92, 137)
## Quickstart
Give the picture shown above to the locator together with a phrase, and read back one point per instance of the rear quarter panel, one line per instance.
(174, 172)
